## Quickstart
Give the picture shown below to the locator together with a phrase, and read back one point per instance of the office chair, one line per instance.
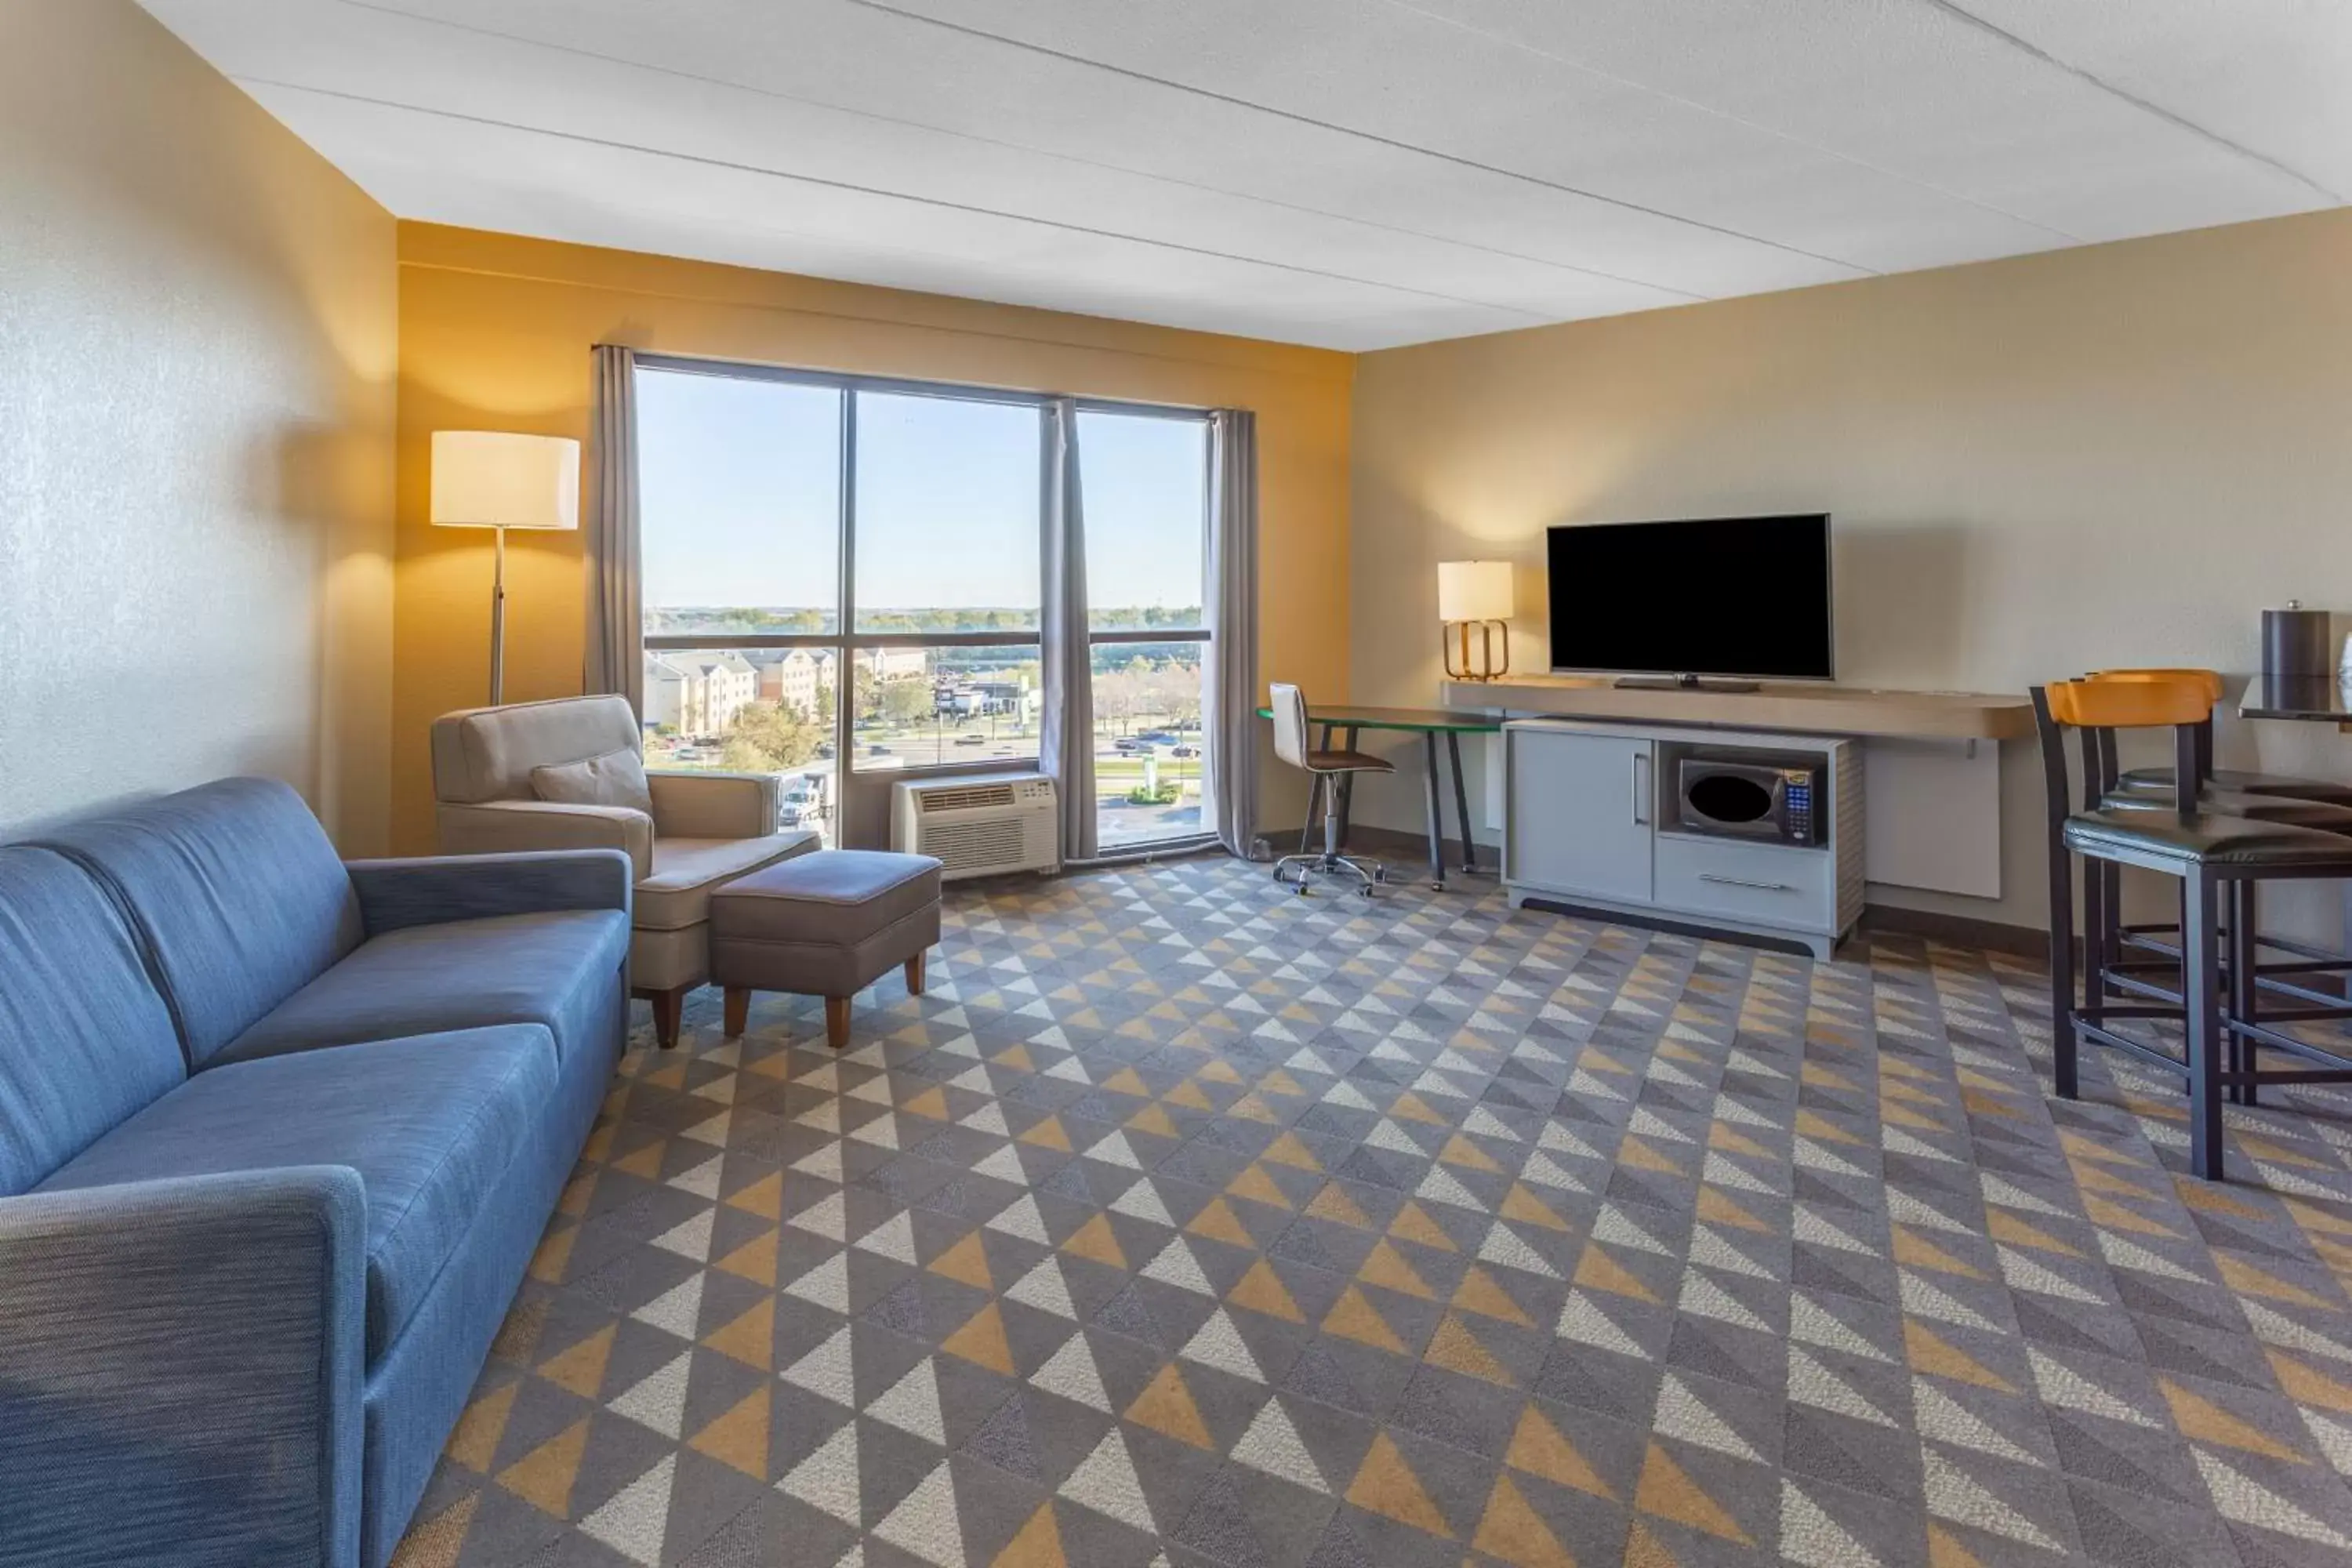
(1290, 744)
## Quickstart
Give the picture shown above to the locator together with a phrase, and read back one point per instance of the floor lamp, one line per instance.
(488, 478)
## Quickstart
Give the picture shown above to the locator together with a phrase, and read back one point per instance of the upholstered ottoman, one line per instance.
(825, 924)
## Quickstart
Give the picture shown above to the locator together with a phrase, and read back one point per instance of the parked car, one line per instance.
(687, 754)
(1184, 754)
(1126, 747)
(972, 740)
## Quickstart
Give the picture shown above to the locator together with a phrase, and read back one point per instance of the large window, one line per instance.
(1144, 479)
(843, 573)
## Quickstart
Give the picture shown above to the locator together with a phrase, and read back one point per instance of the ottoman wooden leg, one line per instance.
(837, 1021)
(915, 974)
(739, 1009)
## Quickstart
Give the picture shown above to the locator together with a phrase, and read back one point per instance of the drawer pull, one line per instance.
(1743, 882)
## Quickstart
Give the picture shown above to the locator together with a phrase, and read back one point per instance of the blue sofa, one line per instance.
(278, 1136)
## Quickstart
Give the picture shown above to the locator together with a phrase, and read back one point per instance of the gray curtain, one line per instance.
(1066, 749)
(615, 661)
(1229, 686)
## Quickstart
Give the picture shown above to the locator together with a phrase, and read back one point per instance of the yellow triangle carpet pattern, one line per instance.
(1185, 1224)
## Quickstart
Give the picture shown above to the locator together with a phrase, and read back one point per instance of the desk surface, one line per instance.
(1797, 706)
(2319, 698)
(1459, 720)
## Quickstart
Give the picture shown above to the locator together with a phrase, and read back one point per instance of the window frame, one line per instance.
(845, 642)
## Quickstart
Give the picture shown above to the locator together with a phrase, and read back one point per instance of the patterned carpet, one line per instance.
(1186, 1223)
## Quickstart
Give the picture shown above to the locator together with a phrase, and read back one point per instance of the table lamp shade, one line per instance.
(490, 478)
(1474, 591)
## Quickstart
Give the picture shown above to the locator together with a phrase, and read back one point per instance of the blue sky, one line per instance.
(740, 490)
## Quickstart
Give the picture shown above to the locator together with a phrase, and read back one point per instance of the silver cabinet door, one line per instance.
(1582, 811)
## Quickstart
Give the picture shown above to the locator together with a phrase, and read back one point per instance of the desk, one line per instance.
(1804, 707)
(1429, 723)
(2314, 698)
(2311, 700)
(1931, 765)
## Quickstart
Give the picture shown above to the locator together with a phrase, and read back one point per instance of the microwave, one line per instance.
(1776, 801)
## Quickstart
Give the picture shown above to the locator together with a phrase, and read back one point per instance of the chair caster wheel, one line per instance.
(1366, 889)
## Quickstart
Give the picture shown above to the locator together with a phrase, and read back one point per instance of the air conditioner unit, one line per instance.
(979, 825)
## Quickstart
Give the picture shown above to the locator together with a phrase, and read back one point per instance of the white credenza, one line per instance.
(1590, 820)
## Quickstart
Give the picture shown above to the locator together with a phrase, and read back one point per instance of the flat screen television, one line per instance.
(1744, 597)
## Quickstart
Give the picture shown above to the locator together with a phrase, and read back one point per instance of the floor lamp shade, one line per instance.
(488, 478)
(492, 479)
(1476, 594)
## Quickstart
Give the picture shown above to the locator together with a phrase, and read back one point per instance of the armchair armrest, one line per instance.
(432, 889)
(509, 827)
(714, 805)
(180, 1371)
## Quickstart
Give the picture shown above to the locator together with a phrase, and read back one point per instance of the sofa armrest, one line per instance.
(180, 1371)
(433, 889)
(510, 826)
(714, 805)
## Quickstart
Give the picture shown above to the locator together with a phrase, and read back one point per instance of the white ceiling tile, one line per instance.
(2272, 77)
(1923, 90)
(1353, 172)
(651, 203)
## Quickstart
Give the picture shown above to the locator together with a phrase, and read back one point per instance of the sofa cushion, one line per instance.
(686, 870)
(543, 969)
(239, 898)
(430, 1124)
(85, 1041)
(616, 778)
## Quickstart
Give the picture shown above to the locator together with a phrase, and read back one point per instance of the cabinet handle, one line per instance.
(1743, 882)
(1637, 760)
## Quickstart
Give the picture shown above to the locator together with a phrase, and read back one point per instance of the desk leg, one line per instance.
(1461, 802)
(1347, 791)
(1436, 813)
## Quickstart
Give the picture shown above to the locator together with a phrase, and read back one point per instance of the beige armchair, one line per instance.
(706, 828)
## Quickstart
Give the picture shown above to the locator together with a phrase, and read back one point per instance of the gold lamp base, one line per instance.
(1455, 642)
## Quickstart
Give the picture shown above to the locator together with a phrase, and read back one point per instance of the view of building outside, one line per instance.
(1147, 742)
(741, 482)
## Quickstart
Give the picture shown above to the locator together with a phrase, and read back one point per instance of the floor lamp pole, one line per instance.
(499, 621)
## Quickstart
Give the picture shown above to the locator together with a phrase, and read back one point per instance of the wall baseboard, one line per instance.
(1957, 930)
(1381, 843)
(1411, 849)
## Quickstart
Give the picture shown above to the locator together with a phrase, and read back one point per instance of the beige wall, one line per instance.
(495, 334)
(196, 379)
(2113, 455)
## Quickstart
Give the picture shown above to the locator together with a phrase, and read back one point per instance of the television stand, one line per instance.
(1681, 683)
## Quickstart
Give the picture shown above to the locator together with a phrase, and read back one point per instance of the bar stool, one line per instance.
(2213, 857)
(2263, 798)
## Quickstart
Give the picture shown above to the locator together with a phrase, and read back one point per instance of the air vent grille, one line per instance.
(978, 844)
(964, 797)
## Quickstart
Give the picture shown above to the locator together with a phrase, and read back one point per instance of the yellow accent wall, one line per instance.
(196, 380)
(495, 332)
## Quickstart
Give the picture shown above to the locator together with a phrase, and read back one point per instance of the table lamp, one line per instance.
(488, 478)
(1474, 593)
